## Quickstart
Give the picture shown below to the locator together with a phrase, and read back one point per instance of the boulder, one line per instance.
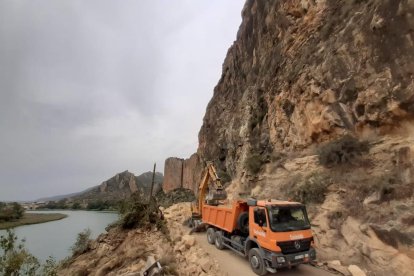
(205, 264)
(188, 241)
(356, 271)
(374, 198)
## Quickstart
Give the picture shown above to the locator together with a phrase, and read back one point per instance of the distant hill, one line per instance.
(118, 187)
(60, 197)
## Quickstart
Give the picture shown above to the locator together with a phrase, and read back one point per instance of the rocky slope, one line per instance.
(119, 187)
(316, 102)
(122, 252)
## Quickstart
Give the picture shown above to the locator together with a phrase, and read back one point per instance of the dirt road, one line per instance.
(233, 264)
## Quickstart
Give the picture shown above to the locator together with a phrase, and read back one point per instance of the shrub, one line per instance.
(49, 268)
(312, 189)
(224, 176)
(254, 163)
(15, 260)
(139, 214)
(341, 151)
(82, 243)
(10, 211)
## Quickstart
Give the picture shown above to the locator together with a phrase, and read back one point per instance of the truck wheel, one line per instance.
(257, 262)
(243, 222)
(211, 235)
(219, 240)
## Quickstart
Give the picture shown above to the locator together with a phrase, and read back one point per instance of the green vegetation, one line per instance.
(13, 215)
(31, 218)
(100, 205)
(95, 205)
(310, 190)
(254, 163)
(139, 213)
(341, 151)
(10, 211)
(259, 112)
(82, 243)
(61, 204)
(76, 206)
(224, 176)
(16, 260)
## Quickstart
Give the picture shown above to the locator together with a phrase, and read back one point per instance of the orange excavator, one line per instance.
(210, 191)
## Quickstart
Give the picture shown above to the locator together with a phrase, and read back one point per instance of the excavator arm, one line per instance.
(209, 194)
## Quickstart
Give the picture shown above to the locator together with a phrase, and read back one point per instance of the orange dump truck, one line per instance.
(271, 233)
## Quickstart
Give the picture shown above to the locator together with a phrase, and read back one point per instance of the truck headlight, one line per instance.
(280, 259)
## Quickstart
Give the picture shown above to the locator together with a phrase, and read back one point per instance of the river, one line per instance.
(55, 238)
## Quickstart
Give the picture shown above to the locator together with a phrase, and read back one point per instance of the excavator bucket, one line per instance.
(217, 195)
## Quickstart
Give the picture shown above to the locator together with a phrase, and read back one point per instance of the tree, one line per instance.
(18, 210)
(10, 211)
(76, 206)
(16, 260)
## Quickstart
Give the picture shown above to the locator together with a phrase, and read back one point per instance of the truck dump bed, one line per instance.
(224, 217)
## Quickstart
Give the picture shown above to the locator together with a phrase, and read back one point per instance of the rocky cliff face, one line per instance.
(121, 186)
(302, 72)
(182, 173)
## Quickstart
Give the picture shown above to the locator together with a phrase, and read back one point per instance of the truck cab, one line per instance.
(282, 233)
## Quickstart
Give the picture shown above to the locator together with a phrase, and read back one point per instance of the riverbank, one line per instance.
(32, 218)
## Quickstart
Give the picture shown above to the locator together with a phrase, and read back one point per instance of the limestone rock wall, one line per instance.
(173, 173)
(192, 172)
(182, 173)
(302, 72)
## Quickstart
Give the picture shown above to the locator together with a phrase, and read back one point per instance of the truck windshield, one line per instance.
(284, 219)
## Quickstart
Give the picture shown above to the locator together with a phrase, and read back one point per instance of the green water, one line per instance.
(56, 237)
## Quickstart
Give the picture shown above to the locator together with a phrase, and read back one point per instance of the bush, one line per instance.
(15, 259)
(312, 189)
(224, 176)
(254, 163)
(82, 243)
(341, 151)
(139, 214)
(10, 211)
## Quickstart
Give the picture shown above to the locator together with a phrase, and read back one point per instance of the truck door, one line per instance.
(259, 227)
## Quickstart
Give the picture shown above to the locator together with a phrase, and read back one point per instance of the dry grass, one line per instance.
(32, 218)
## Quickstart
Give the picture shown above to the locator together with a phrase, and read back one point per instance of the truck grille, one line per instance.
(294, 246)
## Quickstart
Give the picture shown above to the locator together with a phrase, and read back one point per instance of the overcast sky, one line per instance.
(92, 88)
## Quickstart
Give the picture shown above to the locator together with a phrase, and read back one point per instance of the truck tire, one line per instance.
(211, 235)
(256, 262)
(218, 241)
(243, 222)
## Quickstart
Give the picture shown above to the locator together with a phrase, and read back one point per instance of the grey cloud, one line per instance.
(91, 88)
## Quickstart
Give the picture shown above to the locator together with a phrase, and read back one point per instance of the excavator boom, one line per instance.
(215, 190)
